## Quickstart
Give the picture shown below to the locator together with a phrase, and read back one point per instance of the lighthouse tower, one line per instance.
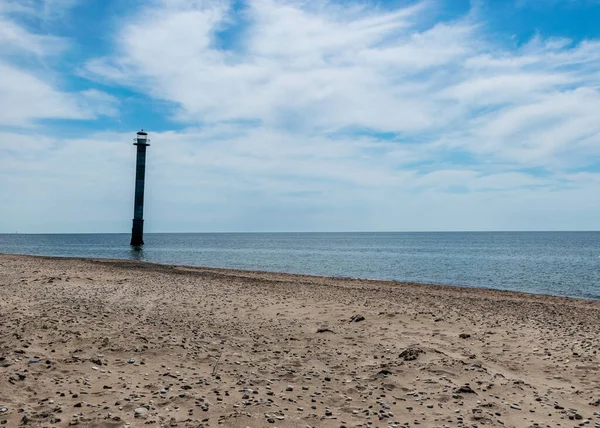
(137, 231)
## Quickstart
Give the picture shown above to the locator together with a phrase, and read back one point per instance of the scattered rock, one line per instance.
(574, 415)
(356, 318)
(141, 412)
(17, 377)
(464, 335)
(465, 389)
(384, 373)
(410, 354)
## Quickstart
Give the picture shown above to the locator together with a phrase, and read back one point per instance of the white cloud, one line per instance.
(484, 90)
(322, 69)
(29, 88)
(25, 98)
(313, 69)
(17, 40)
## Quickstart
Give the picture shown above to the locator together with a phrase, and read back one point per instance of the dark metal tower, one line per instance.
(137, 231)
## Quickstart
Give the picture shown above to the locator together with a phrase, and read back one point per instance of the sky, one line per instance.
(289, 115)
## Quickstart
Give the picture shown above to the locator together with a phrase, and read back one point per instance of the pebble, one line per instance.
(17, 377)
(357, 318)
(411, 354)
(465, 389)
(141, 412)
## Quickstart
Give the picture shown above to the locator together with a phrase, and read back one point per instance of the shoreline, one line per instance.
(303, 275)
(105, 342)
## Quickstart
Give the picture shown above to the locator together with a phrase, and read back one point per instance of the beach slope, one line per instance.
(110, 343)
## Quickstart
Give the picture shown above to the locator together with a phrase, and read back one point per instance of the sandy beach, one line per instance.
(124, 343)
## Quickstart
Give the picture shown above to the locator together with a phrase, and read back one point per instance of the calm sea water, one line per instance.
(558, 263)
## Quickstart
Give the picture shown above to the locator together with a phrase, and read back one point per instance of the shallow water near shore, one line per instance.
(556, 263)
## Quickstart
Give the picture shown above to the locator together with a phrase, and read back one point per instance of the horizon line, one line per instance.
(302, 232)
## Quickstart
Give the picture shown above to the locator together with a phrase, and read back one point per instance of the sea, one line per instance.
(555, 263)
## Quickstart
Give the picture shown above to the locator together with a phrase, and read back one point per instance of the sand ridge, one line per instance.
(117, 343)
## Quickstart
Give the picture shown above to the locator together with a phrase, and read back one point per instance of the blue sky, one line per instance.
(285, 115)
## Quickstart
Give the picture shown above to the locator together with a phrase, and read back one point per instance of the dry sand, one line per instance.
(116, 343)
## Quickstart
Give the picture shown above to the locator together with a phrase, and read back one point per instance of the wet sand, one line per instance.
(116, 343)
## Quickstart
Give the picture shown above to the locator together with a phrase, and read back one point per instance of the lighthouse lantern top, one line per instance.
(141, 139)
